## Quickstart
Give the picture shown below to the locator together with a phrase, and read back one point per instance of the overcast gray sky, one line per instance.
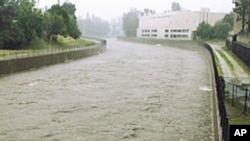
(108, 9)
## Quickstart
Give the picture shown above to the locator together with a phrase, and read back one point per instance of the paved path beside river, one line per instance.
(131, 92)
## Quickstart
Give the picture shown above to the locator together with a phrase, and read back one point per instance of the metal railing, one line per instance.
(220, 87)
(237, 93)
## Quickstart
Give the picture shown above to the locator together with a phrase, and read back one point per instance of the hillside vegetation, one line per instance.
(22, 24)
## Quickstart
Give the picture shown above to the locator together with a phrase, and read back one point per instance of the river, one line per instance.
(131, 92)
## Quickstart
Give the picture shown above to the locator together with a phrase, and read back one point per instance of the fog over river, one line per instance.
(131, 92)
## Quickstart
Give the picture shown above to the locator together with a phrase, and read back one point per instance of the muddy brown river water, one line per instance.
(132, 92)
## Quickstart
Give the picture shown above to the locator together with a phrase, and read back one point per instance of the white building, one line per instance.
(177, 25)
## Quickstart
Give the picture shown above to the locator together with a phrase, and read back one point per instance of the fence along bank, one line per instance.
(30, 62)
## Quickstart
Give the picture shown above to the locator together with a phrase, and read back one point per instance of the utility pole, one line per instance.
(58, 1)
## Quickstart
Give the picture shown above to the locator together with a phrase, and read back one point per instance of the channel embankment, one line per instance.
(32, 62)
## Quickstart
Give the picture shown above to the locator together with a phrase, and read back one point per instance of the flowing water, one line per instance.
(132, 92)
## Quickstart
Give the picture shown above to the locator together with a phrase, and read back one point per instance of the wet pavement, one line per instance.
(131, 92)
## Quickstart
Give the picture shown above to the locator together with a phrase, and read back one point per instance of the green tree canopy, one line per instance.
(73, 30)
(8, 28)
(229, 18)
(131, 22)
(176, 6)
(220, 30)
(28, 20)
(93, 25)
(69, 8)
(21, 22)
(204, 31)
(242, 10)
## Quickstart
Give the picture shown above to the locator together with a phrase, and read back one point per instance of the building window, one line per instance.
(173, 36)
(178, 36)
(185, 30)
(166, 36)
(154, 30)
(184, 36)
(145, 30)
(145, 35)
(166, 30)
(179, 30)
(153, 35)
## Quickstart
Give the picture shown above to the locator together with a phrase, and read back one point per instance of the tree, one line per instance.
(130, 22)
(29, 20)
(204, 31)
(8, 27)
(21, 22)
(69, 8)
(229, 18)
(54, 26)
(176, 6)
(61, 20)
(116, 27)
(223, 27)
(93, 25)
(242, 10)
(7, 13)
(221, 30)
(58, 10)
(73, 30)
(72, 27)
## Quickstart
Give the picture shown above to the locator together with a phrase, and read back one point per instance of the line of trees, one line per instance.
(219, 31)
(21, 23)
(94, 26)
(130, 20)
(242, 9)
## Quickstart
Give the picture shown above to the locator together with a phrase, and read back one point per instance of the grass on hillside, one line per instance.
(235, 116)
(228, 62)
(218, 65)
(70, 42)
(61, 42)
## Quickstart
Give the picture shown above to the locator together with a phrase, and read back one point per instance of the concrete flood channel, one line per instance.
(132, 91)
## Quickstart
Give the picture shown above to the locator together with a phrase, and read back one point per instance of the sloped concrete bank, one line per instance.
(23, 64)
(186, 45)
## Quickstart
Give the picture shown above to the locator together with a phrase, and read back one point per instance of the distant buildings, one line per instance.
(175, 25)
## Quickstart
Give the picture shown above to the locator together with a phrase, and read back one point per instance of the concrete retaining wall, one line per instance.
(242, 51)
(23, 64)
(187, 45)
